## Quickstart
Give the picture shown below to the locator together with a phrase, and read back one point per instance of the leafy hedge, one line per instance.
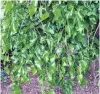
(53, 39)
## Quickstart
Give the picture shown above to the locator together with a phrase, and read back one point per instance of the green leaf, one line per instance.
(25, 47)
(24, 78)
(32, 9)
(38, 63)
(50, 43)
(80, 78)
(93, 20)
(72, 72)
(50, 2)
(67, 86)
(52, 58)
(49, 76)
(78, 46)
(71, 63)
(85, 25)
(57, 12)
(33, 69)
(45, 16)
(84, 65)
(51, 31)
(70, 5)
(9, 6)
(46, 56)
(80, 37)
(16, 89)
(67, 29)
(43, 39)
(7, 70)
(71, 47)
(64, 61)
(84, 82)
(50, 92)
(79, 69)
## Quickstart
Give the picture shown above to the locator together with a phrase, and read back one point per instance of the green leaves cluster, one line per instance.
(50, 39)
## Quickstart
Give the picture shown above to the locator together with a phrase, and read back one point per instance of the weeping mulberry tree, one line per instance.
(53, 39)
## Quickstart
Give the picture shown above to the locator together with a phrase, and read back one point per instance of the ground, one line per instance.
(33, 87)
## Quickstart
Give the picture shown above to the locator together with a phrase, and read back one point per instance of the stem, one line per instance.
(88, 40)
(94, 35)
(42, 87)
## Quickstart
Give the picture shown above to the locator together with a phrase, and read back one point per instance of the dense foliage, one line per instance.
(53, 39)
